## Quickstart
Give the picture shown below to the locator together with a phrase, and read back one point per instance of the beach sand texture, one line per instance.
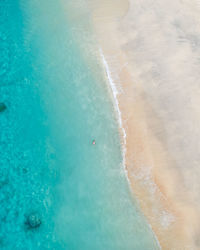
(152, 49)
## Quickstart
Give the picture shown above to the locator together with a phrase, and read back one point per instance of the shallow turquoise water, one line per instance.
(48, 165)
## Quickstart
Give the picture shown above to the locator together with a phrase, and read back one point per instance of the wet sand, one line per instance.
(152, 50)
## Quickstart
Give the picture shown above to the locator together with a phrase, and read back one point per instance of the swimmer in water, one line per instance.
(93, 142)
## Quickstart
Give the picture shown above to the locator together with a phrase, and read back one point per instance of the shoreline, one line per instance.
(149, 165)
(116, 106)
(122, 131)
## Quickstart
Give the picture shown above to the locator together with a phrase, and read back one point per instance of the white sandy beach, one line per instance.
(152, 49)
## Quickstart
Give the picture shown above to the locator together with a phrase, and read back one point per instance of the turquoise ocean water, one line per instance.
(56, 106)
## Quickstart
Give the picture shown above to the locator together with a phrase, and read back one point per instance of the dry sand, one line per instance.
(153, 51)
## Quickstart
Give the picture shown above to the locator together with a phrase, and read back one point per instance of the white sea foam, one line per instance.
(116, 105)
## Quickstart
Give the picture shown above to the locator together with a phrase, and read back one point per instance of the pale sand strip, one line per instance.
(152, 167)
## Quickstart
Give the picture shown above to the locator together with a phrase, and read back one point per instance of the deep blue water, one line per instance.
(56, 106)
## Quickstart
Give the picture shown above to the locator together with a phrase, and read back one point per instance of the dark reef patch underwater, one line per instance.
(58, 191)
